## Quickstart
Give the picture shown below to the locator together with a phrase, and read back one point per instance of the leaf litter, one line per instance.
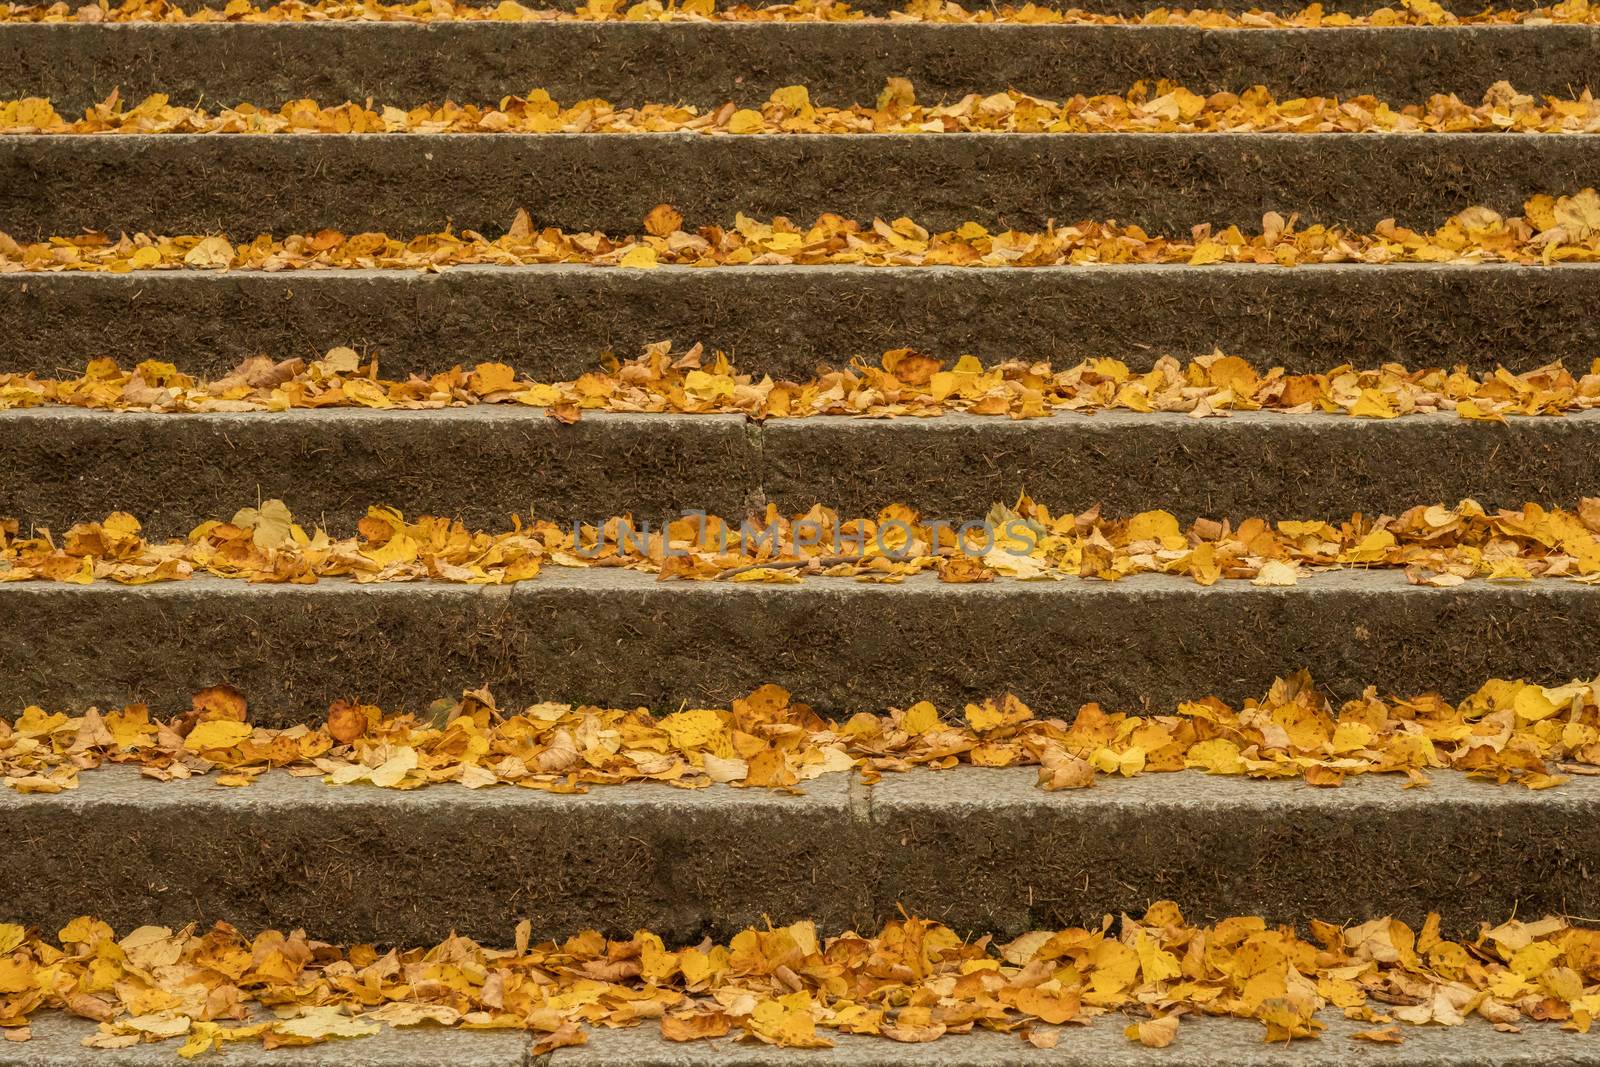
(903, 383)
(1164, 107)
(1550, 230)
(914, 980)
(1408, 13)
(1507, 731)
(1434, 545)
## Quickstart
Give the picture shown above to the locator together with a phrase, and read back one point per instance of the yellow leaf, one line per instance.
(694, 729)
(792, 98)
(1216, 756)
(213, 252)
(271, 525)
(639, 257)
(219, 733)
(920, 718)
(1156, 526)
(984, 717)
(1275, 572)
(1156, 1033)
(1531, 704)
(320, 1024)
(746, 121)
(1372, 405)
(395, 768)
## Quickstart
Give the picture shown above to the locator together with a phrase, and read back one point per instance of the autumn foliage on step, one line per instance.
(912, 981)
(1506, 731)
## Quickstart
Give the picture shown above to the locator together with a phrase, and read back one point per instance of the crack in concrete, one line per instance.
(860, 795)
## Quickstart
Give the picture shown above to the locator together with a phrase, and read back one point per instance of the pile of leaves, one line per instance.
(1551, 230)
(903, 383)
(1165, 107)
(1436, 545)
(1506, 731)
(1407, 13)
(913, 981)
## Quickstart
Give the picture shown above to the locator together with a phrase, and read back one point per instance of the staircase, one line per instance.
(984, 851)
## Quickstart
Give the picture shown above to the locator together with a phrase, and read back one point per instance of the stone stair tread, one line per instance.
(57, 1036)
(1200, 1043)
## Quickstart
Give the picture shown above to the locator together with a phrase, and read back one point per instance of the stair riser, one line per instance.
(482, 465)
(355, 864)
(244, 186)
(553, 322)
(627, 640)
(707, 64)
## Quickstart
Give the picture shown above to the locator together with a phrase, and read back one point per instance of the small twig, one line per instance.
(820, 562)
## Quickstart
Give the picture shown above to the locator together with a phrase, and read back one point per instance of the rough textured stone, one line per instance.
(981, 850)
(622, 638)
(357, 863)
(61, 466)
(1255, 463)
(480, 464)
(57, 1037)
(1202, 1042)
(1227, 846)
(243, 186)
(554, 321)
(709, 63)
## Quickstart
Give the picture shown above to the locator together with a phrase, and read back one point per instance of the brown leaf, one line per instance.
(695, 1026)
(346, 721)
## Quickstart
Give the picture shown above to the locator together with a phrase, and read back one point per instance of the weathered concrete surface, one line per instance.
(1227, 846)
(709, 63)
(359, 863)
(57, 1041)
(1201, 1042)
(59, 466)
(622, 638)
(1167, 183)
(364, 864)
(481, 464)
(1255, 463)
(553, 321)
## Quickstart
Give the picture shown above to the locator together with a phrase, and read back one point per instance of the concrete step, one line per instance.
(982, 850)
(622, 638)
(1200, 1043)
(59, 466)
(482, 463)
(57, 1042)
(709, 63)
(551, 322)
(1207, 1043)
(243, 186)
